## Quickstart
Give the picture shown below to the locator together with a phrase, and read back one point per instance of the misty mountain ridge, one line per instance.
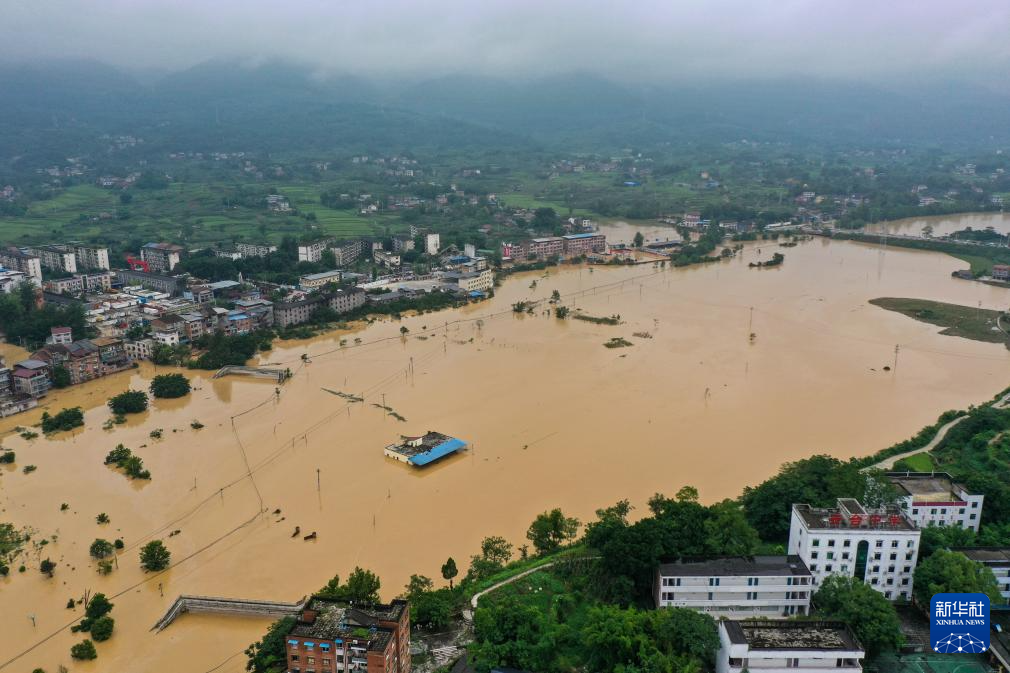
(280, 106)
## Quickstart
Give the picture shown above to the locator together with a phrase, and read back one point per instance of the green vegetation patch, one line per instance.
(969, 322)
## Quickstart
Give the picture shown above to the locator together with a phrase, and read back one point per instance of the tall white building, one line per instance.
(55, 258)
(432, 243)
(879, 547)
(92, 257)
(933, 499)
(313, 250)
(756, 586)
(799, 647)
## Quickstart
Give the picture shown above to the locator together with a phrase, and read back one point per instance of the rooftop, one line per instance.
(738, 566)
(798, 635)
(850, 514)
(591, 234)
(322, 275)
(327, 619)
(990, 556)
(926, 486)
(167, 247)
(427, 448)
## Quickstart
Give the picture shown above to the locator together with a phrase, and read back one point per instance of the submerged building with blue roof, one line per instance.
(424, 450)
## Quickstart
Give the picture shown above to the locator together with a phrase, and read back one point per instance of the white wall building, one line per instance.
(313, 251)
(796, 647)
(879, 547)
(996, 559)
(55, 258)
(933, 499)
(736, 587)
(92, 257)
(432, 243)
(314, 281)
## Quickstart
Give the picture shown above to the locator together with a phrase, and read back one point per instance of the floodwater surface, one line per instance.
(943, 224)
(554, 419)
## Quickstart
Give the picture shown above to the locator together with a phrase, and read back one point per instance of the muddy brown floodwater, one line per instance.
(555, 419)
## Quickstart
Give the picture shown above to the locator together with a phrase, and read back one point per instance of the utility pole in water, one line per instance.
(896, 349)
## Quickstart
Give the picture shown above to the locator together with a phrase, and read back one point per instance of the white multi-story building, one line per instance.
(797, 647)
(347, 252)
(314, 281)
(432, 243)
(756, 586)
(92, 257)
(255, 249)
(161, 257)
(16, 260)
(313, 250)
(933, 499)
(996, 559)
(10, 279)
(55, 258)
(879, 547)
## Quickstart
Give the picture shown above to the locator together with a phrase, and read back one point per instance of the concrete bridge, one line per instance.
(227, 606)
(279, 375)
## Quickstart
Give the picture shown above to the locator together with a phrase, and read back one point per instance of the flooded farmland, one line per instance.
(555, 419)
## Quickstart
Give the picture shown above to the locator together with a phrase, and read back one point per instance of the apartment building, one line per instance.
(577, 245)
(30, 265)
(879, 547)
(55, 258)
(348, 252)
(295, 312)
(740, 587)
(312, 251)
(796, 646)
(389, 260)
(314, 281)
(91, 257)
(432, 243)
(471, 281)
(996, 559)
(550, 246)
(161, 257)
(254, 249)
(330, 636)
(30, 378)
(934, 499)
(172, 285)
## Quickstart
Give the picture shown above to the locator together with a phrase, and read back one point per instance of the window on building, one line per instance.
(831, 543)
(831, 555)
(910, 544)
(828, 568)
(894, 557)
(847, 543)
(845, 555)
(894, 544)
(815, 542)
(880, 543)
(813, 554)
(904, 582)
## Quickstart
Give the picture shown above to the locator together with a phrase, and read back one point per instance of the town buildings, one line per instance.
(55, 259)
(299, 311)
(330, 636)
(16, 260)
(879, 547)
(578, 245)
(254, 249)
(348, 252)
(161, 257)
(91, 257)
(432, 243)
(172, 285)
(312, 251)
(314, 281)
(796, 646)
(471, 281)
(10, 279)
(934, 499)
(1001, 272)
(996, 559)
(387, 259)
(757, 586)
(30, 378)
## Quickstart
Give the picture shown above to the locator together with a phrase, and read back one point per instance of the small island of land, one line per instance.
(969, 322)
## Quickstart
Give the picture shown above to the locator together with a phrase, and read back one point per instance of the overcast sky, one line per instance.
(648, 40)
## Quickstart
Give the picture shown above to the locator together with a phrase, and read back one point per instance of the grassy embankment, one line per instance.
(978, 324)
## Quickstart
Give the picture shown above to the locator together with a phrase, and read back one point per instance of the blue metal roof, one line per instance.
(587, 235)
(440, 451)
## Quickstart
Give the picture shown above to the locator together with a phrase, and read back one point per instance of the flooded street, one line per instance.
(943, 224)
(554, 418)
